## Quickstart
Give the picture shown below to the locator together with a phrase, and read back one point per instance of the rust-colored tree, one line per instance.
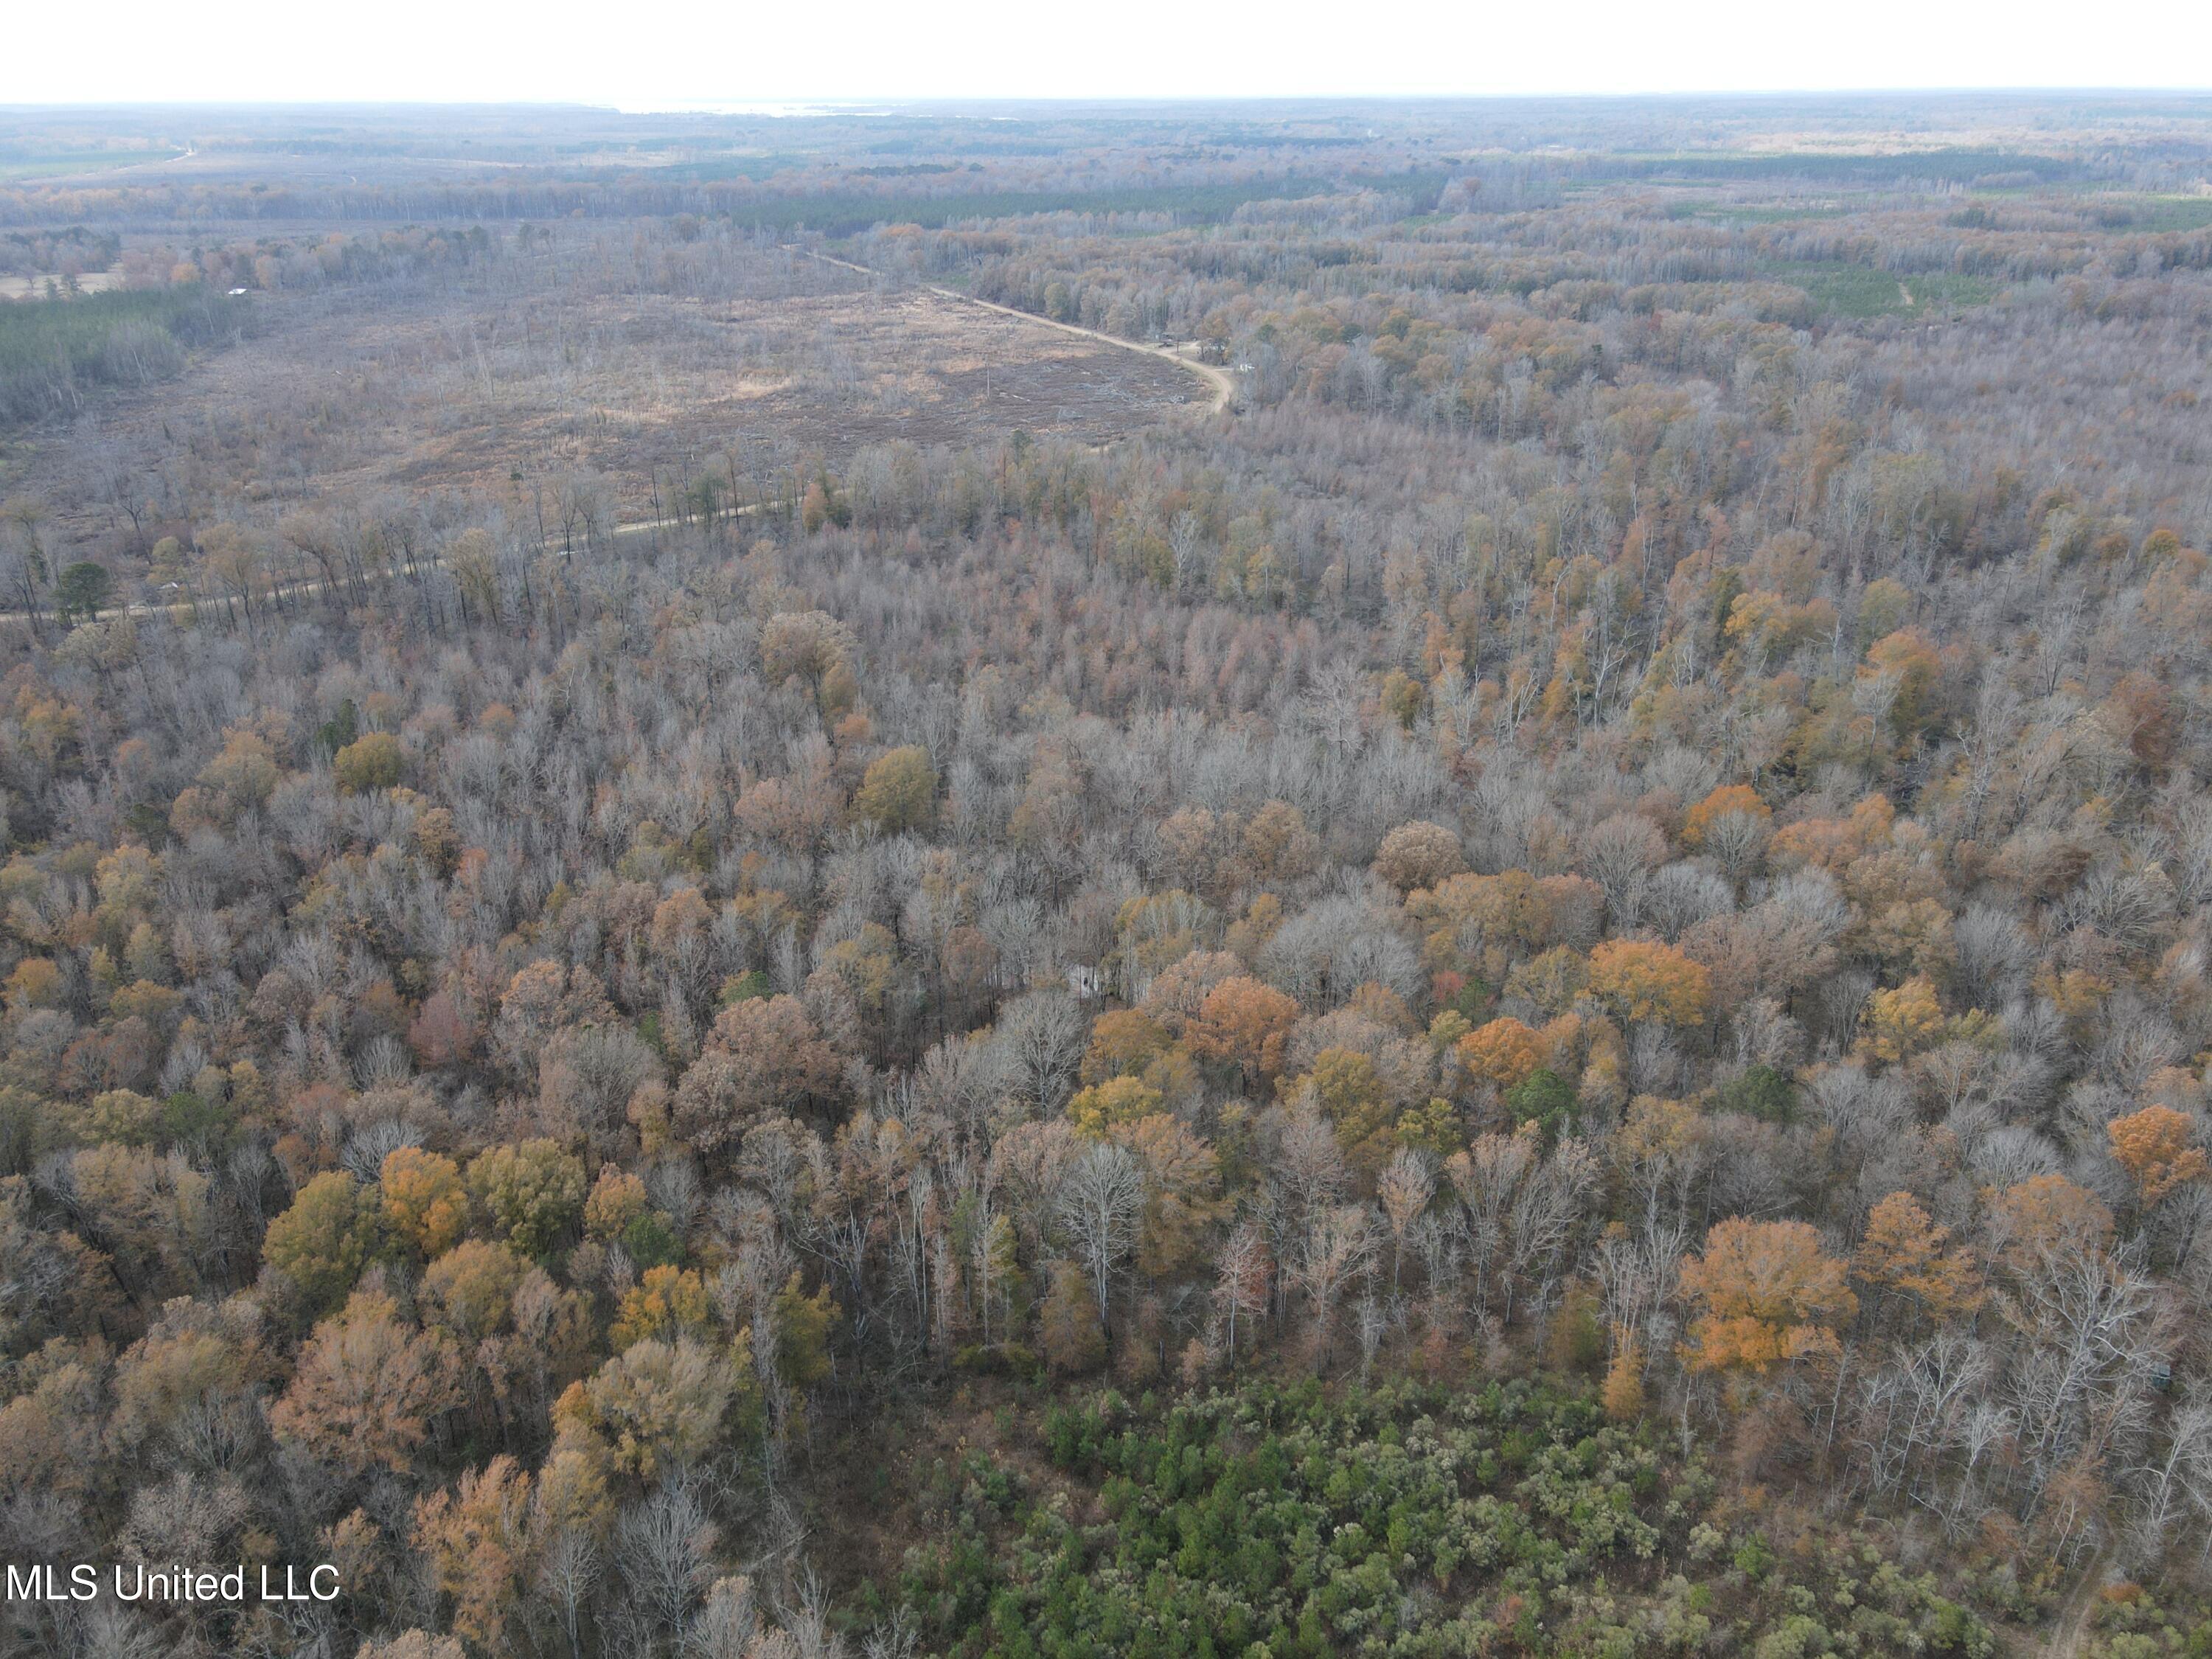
(765, 1057)
(1905, 1253)
(1767, 1295)
(1244, 1023)
(2157, 1148)
(1503, 1052)
(1649, 980)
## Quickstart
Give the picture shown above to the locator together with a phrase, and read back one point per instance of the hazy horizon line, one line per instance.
(800, 105)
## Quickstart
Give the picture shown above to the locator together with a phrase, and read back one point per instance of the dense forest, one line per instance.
(1543, 986)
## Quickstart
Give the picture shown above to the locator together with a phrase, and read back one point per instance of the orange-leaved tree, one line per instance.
(1767, 1295)
(1905, 1252)
(1730, 800)
(1245, 1022)
(1648, 979)
(2156, 1147)
(1504, 1051)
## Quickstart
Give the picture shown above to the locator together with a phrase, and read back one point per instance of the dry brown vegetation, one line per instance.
(1544, 992)
(588, 357)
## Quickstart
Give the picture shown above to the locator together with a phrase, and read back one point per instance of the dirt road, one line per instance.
(1223, 385)
(183, 610)
(2069, 1631)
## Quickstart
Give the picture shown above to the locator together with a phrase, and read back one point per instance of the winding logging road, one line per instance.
(1218, 380)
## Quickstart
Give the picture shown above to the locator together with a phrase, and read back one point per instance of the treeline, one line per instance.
(54, 353)
(832, 198)
(73, 251)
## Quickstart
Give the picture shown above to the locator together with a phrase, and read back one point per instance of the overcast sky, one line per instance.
(662, 54)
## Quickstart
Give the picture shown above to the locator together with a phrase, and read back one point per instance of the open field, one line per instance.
(34, 287)
(480, 391)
